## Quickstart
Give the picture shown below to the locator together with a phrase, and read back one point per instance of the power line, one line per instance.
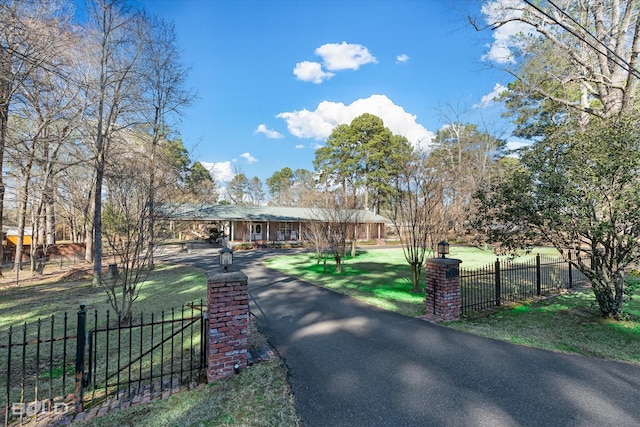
(600, 42)
(616, 58)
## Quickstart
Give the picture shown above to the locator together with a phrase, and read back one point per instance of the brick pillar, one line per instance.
(228, 310)
(443, 289)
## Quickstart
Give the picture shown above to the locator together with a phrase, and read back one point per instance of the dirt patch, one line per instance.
(75, 274)
(53, 272)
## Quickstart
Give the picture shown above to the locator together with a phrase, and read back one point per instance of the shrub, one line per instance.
(244, 246)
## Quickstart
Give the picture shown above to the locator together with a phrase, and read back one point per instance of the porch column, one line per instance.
(232, 230)
(300, 231)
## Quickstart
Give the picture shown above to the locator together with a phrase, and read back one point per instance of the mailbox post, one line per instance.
(443, 299)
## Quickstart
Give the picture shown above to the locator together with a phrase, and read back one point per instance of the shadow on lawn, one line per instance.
(344, 355)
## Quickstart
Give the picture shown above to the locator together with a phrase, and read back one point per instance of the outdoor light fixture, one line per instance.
(226, 259)
(443, 249)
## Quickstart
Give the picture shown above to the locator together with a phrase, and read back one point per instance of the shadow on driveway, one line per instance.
(352, 364)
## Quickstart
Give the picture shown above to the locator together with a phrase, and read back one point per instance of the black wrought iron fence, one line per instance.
(22, 271)
(60, 366)
(508, 281)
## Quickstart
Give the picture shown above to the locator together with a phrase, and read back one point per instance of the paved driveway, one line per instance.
(352, 364)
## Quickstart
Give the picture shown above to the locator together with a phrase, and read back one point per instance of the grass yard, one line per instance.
(568, 322)
(166, 287)
(259, 396)
(378, 276)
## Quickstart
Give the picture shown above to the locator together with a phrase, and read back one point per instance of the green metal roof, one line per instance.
(209, 212)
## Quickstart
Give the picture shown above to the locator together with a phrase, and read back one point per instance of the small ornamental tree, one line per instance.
(316, 232)
(337, 224)
(125, 219)
(580, 191)
(417, 212)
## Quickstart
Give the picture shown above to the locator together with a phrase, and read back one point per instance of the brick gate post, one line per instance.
(228, 316)
(443, 289)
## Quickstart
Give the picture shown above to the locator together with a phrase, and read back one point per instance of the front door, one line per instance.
(256, 231)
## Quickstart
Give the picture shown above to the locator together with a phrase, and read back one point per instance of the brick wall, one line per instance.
(228, 312)
(443, 299)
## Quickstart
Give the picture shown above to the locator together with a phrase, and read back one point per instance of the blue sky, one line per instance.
(273, 77)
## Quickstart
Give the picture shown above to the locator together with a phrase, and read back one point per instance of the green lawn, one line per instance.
(376, 276)
(380, 277)
(568, 322)
(166, 287)
(260, 395)
(473, 257)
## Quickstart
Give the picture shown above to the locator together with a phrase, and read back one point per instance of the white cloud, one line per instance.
(506, 13)
(488, 99)
(344, 56)
(308, 71)
(335, 57)
(401, 59)
(248, 157)
(271, 134)
(299, 146)
(516, 145)
(220, 171)
(319, 123)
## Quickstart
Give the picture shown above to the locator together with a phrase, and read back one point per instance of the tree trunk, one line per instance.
(415, 272)
(35, 240)
(5, 97)
(88, 234)
(50, 217)
(152, 235)
(609, 298)
(152, 186)
(22, 212)
(97, 218)
(87, 226)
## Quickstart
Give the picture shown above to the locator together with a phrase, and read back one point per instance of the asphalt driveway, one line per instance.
(351, 364)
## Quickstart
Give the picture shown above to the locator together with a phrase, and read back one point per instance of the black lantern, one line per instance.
(443, 249)
(226, 258)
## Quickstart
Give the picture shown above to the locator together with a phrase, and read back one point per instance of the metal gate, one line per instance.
(165, 352)
(50, 371)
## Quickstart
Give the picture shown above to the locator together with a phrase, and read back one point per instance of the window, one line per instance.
(285, 227)
(284, 230)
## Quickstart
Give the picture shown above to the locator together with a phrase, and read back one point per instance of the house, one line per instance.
(11, 236)
(271, 223)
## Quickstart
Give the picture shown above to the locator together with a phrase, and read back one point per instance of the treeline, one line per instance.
(88, 104)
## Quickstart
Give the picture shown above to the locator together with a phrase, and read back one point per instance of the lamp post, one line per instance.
(226, 259)
(443, 249)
